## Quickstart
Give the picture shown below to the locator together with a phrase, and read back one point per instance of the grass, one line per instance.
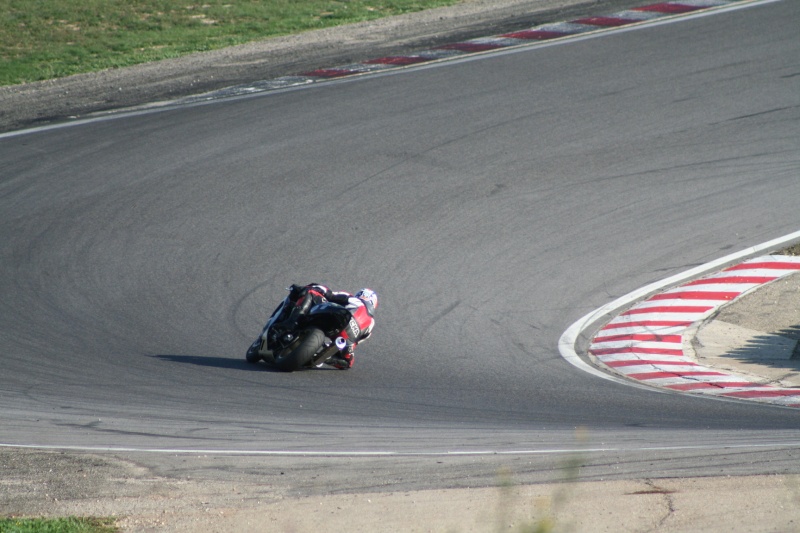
(57, 525)
(45, 39)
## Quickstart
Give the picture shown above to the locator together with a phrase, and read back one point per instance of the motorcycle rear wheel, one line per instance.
(302, 353)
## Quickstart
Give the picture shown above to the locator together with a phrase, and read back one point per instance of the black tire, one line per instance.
(306, 347)
(252, 356)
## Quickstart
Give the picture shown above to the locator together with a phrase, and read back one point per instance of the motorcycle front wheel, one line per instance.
(252, 355)
(301, 352)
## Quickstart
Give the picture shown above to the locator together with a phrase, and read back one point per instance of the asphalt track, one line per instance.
(491, 202)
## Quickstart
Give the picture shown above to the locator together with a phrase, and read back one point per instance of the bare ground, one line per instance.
(58, 483)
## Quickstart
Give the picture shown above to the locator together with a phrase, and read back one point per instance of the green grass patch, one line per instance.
(45, 39)
(57, 525)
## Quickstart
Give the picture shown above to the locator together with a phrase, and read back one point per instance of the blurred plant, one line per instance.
(547, 509)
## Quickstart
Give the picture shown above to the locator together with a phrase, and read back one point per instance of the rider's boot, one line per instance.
(342, 361)
(344, 358)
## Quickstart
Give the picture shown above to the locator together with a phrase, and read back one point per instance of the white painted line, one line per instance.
(605, 345)
(452, 453)
(611, 358)
(693, 380)
(643, 330)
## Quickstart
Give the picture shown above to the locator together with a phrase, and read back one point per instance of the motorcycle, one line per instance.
(303, 336)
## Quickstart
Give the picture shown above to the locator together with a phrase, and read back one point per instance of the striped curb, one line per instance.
(545, 32)
(645, 343)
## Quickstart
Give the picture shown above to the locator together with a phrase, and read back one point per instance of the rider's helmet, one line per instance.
(369, 298)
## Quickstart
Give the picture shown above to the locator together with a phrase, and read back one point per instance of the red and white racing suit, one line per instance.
(359, 328)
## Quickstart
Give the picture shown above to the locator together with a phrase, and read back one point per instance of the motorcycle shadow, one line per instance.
(217, 362)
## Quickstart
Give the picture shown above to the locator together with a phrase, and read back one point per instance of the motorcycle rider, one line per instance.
(361, 305)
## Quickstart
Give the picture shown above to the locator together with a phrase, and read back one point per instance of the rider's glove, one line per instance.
(295, 291)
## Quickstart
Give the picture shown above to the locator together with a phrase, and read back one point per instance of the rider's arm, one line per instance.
(341, 298)
(317, 290)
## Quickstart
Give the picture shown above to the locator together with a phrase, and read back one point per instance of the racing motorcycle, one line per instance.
(303, 336)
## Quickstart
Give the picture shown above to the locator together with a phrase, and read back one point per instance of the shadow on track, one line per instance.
(216, 362)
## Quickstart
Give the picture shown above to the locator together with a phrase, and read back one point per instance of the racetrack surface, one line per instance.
(491, 202)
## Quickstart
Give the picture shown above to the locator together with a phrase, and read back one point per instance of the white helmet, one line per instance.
(369, 297)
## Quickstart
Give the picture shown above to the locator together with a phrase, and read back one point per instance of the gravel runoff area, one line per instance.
(146, 497)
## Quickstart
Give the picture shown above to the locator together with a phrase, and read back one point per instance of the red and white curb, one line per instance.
(645, 343)
(545, 32)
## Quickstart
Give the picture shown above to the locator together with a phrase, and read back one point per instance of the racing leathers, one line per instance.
(358, 330)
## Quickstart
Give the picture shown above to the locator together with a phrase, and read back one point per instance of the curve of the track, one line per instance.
(491, 203)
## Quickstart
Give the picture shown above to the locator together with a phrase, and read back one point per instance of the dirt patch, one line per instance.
(70, 483)
(792, 250)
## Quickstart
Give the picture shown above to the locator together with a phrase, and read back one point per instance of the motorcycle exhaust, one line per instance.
(328, 351)
(341, 343)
